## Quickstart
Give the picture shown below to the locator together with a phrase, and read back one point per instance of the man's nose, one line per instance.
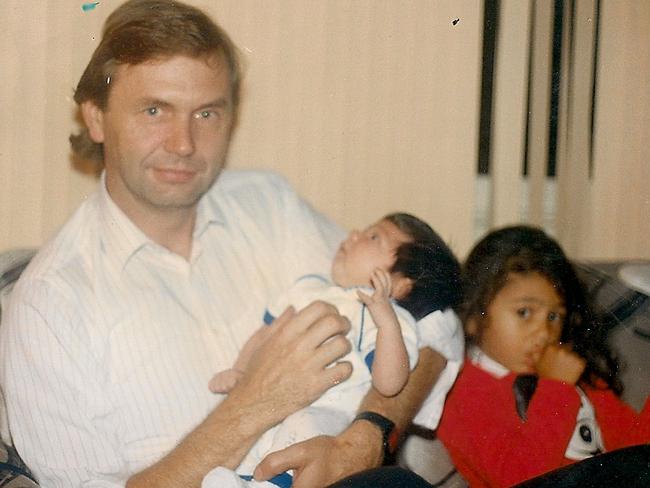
(180, 139)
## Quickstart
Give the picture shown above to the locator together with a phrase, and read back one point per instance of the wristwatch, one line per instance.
(390, 434)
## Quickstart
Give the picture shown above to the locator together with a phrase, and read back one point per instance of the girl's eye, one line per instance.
(374, 237)
(523, 312)
(554, 317)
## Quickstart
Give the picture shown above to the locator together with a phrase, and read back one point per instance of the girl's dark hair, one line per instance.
(523, 250)
(429, 263)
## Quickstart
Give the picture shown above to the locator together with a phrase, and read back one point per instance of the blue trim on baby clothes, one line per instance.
(268, 318)
(370, 357)
(283, 480)
(363, 318)
(313, 275)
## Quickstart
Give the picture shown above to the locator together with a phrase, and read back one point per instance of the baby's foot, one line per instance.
(225, 381)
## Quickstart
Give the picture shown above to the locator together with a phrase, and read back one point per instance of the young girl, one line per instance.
(539, 389)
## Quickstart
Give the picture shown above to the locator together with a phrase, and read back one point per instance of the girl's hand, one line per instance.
(383, 285)
(559, 362)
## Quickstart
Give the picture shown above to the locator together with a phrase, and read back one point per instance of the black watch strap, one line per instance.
(390, 434)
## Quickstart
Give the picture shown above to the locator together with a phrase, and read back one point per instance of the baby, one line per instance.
(383, 278)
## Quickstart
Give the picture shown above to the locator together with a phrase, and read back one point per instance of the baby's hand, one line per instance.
(383, 285)
(559, 362)
(225, 381)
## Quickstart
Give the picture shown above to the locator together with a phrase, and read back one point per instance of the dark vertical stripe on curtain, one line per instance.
(529, 89)
(556, 60)
(594, 86)
(571, 68)
(490, 31)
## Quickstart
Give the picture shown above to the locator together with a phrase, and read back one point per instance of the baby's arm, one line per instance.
(390, 368)
(226, 380)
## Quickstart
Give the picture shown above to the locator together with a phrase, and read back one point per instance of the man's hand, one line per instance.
(322, 460)
(559, 362)
(295, 366)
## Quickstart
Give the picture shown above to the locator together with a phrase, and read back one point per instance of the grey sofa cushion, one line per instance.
(12, 264)
(13, 472)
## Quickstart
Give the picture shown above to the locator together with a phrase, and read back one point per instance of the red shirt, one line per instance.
(491, 446)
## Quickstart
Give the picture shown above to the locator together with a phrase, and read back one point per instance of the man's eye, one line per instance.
(523, 312)
(204, 114)
(374, 237)
(152, 111)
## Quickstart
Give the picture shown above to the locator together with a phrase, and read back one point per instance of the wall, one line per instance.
(367, 106)
(598, 205)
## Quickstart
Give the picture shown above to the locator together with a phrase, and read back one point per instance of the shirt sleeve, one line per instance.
(442, 332)
(58, 416)
(310, 238)
(620, 425)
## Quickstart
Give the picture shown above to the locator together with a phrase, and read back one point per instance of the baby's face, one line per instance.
(362, 252)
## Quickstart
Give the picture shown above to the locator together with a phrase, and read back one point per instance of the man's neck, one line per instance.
(172, 228)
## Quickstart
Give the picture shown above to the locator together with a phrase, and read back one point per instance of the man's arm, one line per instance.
(272, 389)
(323, 460)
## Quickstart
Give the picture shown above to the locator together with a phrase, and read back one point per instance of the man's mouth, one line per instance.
(174, 175)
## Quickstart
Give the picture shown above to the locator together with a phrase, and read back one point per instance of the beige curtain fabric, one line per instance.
(366, 106)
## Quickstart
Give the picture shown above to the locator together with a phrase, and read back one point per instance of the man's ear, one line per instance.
(94, 119)
(401, 286)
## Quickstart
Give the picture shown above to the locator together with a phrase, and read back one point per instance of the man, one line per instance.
(157, 280)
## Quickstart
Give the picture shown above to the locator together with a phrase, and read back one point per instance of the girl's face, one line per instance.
(525, 316)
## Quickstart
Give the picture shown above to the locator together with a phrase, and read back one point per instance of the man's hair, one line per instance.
(428, 262)
(143, 30)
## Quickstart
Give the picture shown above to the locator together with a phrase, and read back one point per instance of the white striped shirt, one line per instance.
(109, 340)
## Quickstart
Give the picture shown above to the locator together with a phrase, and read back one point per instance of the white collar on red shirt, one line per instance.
(486, 363)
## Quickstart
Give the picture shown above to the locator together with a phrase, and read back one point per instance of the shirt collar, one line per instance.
(120, 236)
(125, 239)
(209, 211)
(486, 363)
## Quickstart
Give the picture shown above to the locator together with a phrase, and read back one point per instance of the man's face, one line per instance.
(165, 130)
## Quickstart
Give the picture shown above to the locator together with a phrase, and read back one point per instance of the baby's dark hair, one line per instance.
(524, 250)
(429, 263)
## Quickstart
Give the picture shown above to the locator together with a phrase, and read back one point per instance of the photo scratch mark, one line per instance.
(455, 21)
(89, 6)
